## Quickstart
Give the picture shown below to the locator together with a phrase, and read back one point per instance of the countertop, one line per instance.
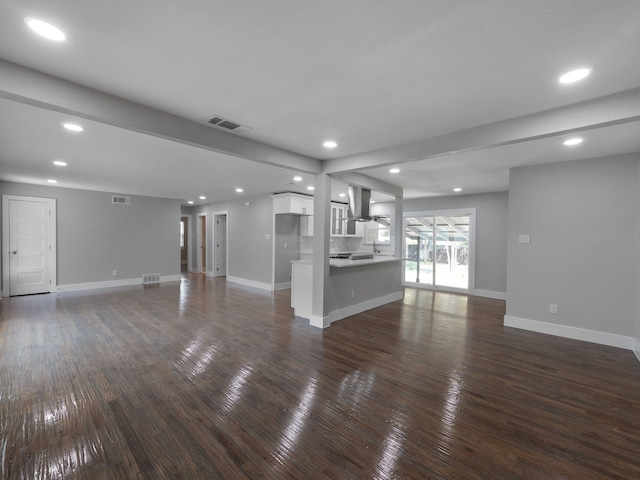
(341, 263)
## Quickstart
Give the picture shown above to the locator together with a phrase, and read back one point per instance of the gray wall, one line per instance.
(287, 231)
(368, 282)
(249, 252)
(95, 237)
(582, 218)
(637, 283)
(491, 232)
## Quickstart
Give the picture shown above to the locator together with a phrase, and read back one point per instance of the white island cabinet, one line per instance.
(355, 286)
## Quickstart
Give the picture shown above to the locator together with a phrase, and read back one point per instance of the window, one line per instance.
(377, 232)
(181, 233)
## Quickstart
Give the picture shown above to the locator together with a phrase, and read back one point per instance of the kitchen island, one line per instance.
(355, 286)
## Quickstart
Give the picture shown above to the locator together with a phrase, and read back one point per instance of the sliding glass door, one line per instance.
(439, 248)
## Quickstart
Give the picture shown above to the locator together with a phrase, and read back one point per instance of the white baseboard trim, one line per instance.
(593, 336)
(250, 283)
(318, 321)
(76, 287)
(636, 348)
(210, 274)
(335, 315)
(490, 294)
(345, 312)
(283, 286)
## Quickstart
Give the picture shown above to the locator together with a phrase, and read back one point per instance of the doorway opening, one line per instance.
(440, 249)
(185, 242)
(201, 239)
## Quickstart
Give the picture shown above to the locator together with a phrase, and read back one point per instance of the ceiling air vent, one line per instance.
(224, 123)
(118, 200)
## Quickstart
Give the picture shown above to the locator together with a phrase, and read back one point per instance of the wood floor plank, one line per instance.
(207, 379)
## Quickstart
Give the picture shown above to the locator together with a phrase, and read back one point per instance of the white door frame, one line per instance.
(6, 280)
(213, 242)
(189, 237)
(199, 268)
(471, 211)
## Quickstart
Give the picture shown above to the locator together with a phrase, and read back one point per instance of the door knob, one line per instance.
(13, 253)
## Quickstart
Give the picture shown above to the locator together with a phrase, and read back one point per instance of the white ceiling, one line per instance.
(371, 75)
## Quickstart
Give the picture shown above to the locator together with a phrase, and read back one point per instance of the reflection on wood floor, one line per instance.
(208, 380)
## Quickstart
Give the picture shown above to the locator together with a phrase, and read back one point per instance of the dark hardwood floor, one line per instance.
(209, 380)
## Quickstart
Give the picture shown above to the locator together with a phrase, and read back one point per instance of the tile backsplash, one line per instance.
(338, 244)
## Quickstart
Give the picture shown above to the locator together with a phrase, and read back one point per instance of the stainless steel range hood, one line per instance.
(359, 201)
(359, 204)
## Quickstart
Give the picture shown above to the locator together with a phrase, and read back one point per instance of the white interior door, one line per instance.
(221, 246)
(30, 246)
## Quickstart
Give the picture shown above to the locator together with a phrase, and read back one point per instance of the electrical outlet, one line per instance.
(285, 244)
(115, 273)
(353, 293)
(553, 308)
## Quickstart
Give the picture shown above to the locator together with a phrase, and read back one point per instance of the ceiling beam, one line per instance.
(615, 109)
(35, 88)
(371, 183)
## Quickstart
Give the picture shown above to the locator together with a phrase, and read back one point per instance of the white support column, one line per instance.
(321, 239)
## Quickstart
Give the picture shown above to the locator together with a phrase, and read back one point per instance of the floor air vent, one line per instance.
(119, 200)
(148, 278)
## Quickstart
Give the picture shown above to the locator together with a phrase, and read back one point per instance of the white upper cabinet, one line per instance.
(292, 203)
(338, 219)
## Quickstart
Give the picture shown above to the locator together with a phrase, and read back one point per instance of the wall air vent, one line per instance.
(119, 200)
(227, 124)
(149, 278)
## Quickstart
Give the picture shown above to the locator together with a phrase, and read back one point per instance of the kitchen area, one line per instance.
(356, 267)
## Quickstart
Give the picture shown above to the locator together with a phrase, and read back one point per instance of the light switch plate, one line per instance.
(523, 239)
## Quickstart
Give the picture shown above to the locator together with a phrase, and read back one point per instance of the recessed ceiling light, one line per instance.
(311, 187)
(330, 144)
(45, 29)
(52, 181)
(394, 170)
(72, 127)
(572, 141)
(342, 194)
(60, 163)
(239, 190)
(190, 202)
(457, 189)
(574, 75)
(297, 179)
(202, 197)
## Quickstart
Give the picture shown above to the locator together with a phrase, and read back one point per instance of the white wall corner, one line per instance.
(319, 321)
(250, 283)
(582, 334)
